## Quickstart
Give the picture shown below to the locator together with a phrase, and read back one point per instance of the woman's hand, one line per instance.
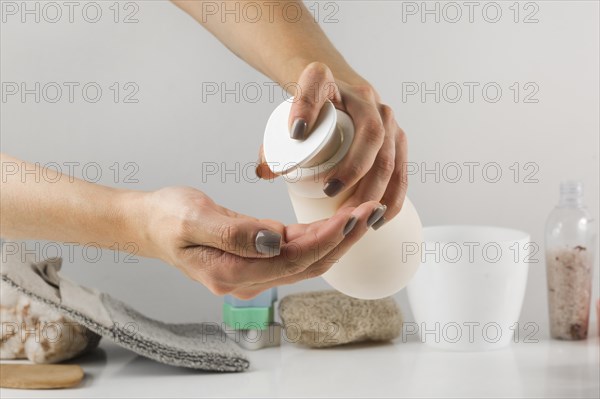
(375, 162)
(233, 253)
(283, 51)
(226, 251)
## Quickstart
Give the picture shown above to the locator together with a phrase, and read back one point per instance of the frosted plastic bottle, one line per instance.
(384, 260)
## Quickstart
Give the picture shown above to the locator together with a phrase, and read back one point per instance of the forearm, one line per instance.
(272, 44)
(47, 205)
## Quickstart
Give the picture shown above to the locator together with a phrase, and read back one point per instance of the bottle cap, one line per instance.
(284, 154)
(571, 193)
(571, 188)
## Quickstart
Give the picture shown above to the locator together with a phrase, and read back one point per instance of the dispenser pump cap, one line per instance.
(284, 154)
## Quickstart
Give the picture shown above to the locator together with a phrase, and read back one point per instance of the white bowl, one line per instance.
(468, 292)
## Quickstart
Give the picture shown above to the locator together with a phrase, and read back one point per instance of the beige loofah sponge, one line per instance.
(31, 329)
(328, 318)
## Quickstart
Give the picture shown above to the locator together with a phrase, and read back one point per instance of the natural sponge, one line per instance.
(32, 329)
(328, 318)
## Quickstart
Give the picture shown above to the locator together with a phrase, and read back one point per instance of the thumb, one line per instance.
(315, 86)
(239, 235)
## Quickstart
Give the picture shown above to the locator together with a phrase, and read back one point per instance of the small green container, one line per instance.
(247, 318)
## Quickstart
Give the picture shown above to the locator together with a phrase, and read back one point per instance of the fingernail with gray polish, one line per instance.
(333, 187)
(350, 225)
(376, 215)
(379, 223)
(298, 129)
(268, 243)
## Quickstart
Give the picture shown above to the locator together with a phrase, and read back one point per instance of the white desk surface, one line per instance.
(411, 369)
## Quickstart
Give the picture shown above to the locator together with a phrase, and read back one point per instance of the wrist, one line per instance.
(132, 221)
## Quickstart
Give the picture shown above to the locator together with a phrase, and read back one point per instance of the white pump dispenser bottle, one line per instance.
(384, 260)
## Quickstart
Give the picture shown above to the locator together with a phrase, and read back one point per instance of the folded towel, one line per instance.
(201, 346)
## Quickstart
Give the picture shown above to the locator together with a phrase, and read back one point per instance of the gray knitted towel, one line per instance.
(199, 346)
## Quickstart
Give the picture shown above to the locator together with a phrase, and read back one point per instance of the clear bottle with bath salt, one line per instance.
(570, 250)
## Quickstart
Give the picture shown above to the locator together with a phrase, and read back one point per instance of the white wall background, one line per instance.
(172, 130)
